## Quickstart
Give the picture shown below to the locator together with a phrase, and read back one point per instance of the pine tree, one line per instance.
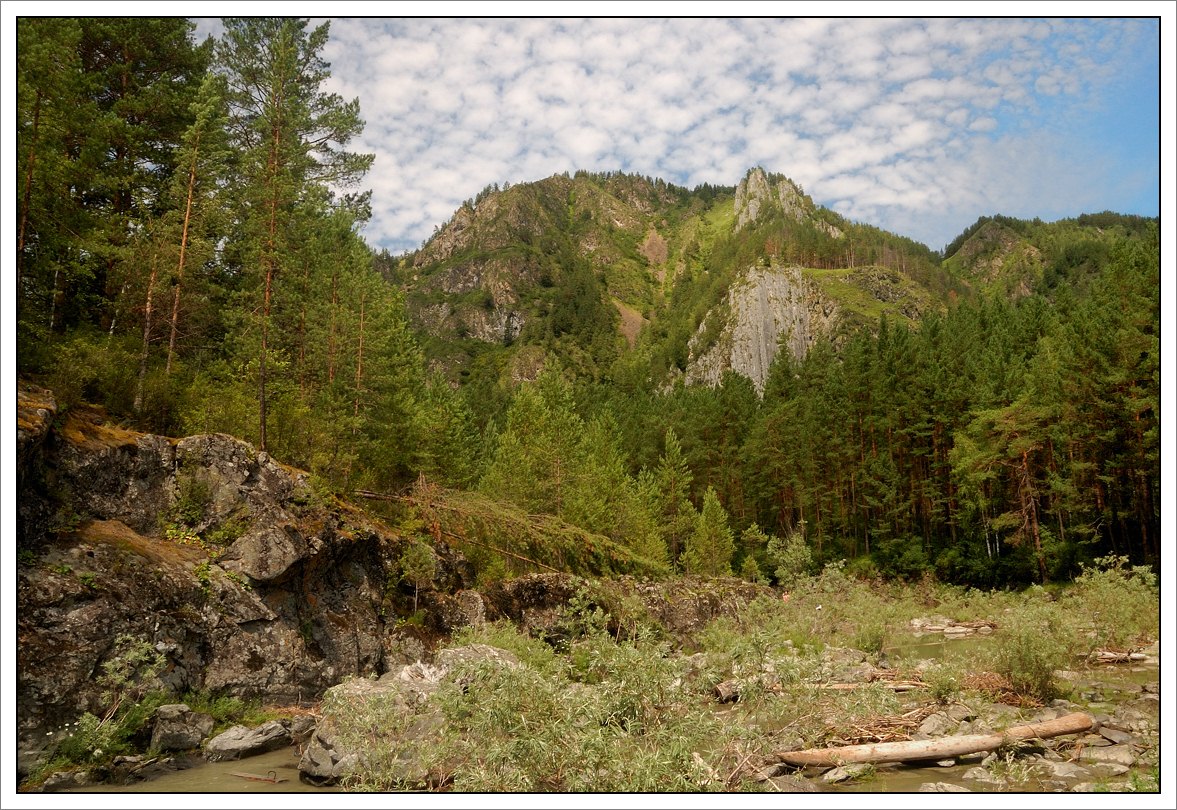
(290, 135)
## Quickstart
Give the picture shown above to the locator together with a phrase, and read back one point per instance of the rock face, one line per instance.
(769, 308)
(758, 193)
(281, 595)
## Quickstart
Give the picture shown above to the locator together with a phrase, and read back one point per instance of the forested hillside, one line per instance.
(190, 258)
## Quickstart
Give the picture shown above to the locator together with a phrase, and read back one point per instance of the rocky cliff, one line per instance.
(758, 193)
(231, 565)
(772, 308)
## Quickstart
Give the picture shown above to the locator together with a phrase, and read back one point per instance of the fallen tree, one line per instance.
(912, 750)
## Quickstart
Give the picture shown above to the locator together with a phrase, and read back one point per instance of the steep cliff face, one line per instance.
(769, 308)
(758, 193)
(226, 562)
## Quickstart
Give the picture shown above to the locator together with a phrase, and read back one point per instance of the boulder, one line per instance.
(1118, 754)
(178, 728)
(240, 742)
(942, 787)
(396, 702)
(845, 773)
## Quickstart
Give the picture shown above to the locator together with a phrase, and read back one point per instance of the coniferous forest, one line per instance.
(190, 258)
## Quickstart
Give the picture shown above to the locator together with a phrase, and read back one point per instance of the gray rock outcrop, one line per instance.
(178, 728)
(240, 742)
(223, 561)
(394, 703)
(770, 308)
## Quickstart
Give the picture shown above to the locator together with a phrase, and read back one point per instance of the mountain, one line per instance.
(587, 268)
(1013, 257)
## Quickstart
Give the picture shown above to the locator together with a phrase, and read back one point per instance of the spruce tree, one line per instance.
(710, 547)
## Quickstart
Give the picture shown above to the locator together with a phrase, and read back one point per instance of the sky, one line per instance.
(915, 125)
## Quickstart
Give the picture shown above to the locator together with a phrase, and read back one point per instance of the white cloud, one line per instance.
(895, 120)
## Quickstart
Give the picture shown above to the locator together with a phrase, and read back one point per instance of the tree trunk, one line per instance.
(942, 748)
(148, 310)
(28, 195)
(183, 254)
(359, 367)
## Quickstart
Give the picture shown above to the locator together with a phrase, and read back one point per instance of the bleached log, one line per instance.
(894, 686)
(942, 748)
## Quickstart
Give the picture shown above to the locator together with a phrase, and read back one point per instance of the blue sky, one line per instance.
(916, 125)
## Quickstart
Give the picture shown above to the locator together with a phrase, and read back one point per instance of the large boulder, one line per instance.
(394, 705)
(240, 742)
(178, 728)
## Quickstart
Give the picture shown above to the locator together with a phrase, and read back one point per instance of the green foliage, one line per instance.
(501, 540)
(943, 682)
(710, 548)
(627, 724)
(1115, 603)
(226, 710)
(418, 564)
(791, 558)
(193, 496)
(532, 652)
(1032, 645)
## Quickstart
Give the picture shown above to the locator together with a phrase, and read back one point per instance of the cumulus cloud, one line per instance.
(917, 126)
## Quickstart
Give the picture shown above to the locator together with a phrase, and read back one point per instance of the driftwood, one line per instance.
(936, 749)
(1113, 657)
(894, 686)
(271, 776)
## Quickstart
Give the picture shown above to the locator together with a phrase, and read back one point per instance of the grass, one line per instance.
(609, 704)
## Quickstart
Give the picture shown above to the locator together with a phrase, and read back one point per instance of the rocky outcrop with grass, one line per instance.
(230, 568)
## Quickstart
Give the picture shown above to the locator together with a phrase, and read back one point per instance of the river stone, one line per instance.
(66, 780)
(1105, 770)
(935, 725)
(1119, 754)
(793, 784)
(178, 728)
(1068, 770)
(942, 787)
(727, 691)
(982, 775)
(1117, 736)
(240, 742)
(845, 772)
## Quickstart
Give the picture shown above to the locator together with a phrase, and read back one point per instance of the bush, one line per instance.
(1032, 645)
(792, 558)
(1118, 604)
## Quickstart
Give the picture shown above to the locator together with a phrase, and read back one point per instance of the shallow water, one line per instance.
(217, 777)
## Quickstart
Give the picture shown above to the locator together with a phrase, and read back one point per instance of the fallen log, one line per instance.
(942, 748)
(894, 686)
(271, 776)
(1113, 657)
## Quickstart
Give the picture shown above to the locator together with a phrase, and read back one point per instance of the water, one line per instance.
(217, 777)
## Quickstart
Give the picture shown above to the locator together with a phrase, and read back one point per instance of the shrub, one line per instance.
(792, 558)
(1118, 603)
(1032, 645)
